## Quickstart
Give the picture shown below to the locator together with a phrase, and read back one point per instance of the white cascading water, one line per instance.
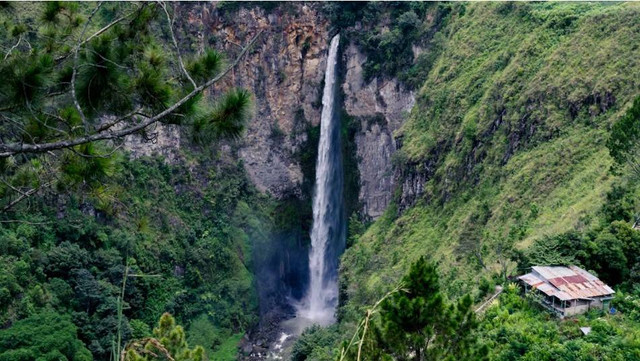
(328, 232)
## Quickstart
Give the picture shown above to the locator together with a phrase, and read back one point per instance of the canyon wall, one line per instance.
(284, 70)
(380, 106)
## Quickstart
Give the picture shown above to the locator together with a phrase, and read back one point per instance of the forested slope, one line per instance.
(504, 163)
(184, 236)
(507, 142)
(98, 240)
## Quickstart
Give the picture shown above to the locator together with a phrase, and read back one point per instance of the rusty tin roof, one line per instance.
(566, 283)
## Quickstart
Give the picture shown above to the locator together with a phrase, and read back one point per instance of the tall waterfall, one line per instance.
(328, 232)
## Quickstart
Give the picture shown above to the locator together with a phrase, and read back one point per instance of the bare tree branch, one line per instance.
(8, 107)
(22, 197)
(15, 148)
(358, 338)
(118, 120)
(175, 44)
(18, 125)
(90, 156)
(12, 187)
(44, 124)
(24, 222)
(75, 70)
(62, 120)
(97, 33)
(107, 60)
(13, 47)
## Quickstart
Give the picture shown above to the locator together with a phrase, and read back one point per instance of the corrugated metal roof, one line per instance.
(566, 283)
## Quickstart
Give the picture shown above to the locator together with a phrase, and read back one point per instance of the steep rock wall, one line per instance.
(285, 72)
(380, 107)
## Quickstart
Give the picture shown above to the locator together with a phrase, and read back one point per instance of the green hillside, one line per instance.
(185, 236)
(510, 129)
(510, 133)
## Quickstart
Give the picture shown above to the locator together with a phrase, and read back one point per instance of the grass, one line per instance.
(514, 114)
(228, 349)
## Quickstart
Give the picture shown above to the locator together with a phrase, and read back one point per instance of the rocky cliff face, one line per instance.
(285, 72)
(380, 107)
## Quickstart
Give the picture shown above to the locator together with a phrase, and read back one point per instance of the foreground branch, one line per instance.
(13, 47)
(358, 338)
(10, 149)
(23, 195)
(175, 44)
(75, 70)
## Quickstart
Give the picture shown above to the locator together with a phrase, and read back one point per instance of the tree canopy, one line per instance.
(417, 323)
(168, 343)
(45, 336)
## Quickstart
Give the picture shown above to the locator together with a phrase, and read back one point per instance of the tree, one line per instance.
(419, 322)
(314, 344)
(416, 323)
(411, 319)
(45, 336)
(73, 88)
(168, 344)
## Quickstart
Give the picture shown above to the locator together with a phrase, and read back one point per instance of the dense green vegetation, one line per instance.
(513, 147)
(525, 134)
(412, 321)
(513, 327)
(387, 33)
(169, 342)
(97, 243)
(44, 336)
(516, 329)
(416, 322)
(185, 236)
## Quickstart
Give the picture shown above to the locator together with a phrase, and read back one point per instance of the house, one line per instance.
(567, 291)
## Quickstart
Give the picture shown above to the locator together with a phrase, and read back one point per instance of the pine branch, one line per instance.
(7, 150)
(11, 186)
(23, 196)
(175, 43)
(364, 325)
(94, 156)
(44, 124)
(75, 70)
(97, 33)
(106, 126)
(24, 222)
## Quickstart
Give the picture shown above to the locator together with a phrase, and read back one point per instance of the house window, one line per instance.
(568, 304)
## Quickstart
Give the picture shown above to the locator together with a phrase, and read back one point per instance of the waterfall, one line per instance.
(328, 232)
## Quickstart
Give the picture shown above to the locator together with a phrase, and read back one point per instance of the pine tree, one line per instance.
(169, 343)
(413, 319)
(418, 324)
(80, 77)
